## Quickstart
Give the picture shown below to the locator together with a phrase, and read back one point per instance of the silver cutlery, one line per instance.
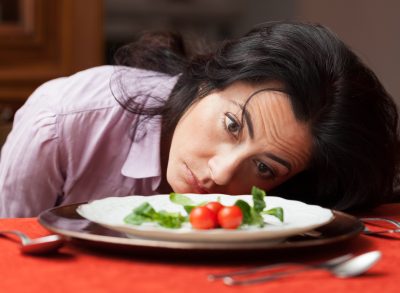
(385, 231)
(41, 245)
(382, 231)
(343, 266)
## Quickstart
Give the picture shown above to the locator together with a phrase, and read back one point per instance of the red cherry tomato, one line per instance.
(230, 217)
(203, 218)
(215, 206)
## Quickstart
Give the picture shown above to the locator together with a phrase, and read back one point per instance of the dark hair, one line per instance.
(352, 118)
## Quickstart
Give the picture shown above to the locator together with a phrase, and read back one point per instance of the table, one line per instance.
(81, 269)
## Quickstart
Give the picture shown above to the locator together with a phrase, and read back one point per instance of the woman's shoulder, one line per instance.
(128, 81)
(97, 88)
(108, 71)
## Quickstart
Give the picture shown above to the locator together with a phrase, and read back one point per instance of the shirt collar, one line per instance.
(143, 159)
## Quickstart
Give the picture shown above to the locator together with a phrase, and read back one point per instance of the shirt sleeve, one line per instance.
(31, 178)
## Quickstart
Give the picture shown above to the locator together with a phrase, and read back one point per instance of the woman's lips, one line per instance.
(194, 182)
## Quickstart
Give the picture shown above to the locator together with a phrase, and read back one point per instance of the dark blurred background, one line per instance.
(44, 39)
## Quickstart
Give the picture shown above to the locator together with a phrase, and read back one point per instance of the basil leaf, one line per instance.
(258, 199)
(181, 199)
(135, 219)
(188, 209)
(146, 213)
(246, 211)
(143, 213)
(169, 219)
(185, 201)
(257, 218)
(250, 215)
(277, 212)
(145, 209)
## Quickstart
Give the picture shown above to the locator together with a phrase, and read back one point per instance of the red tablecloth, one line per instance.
(79, 269)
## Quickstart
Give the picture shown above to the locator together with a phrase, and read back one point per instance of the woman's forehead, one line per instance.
(275, 126)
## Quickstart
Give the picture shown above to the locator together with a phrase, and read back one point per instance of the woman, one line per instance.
(287, 107)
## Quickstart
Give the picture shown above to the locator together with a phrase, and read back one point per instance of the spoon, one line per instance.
(346, 268)
(41, 245)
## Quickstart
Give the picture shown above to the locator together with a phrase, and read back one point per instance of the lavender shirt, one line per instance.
(71, 142)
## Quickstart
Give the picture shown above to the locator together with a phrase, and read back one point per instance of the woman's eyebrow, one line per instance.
(279, 160)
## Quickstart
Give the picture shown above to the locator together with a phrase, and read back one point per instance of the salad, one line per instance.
(207, 215)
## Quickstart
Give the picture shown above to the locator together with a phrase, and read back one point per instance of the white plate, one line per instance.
(299, 218)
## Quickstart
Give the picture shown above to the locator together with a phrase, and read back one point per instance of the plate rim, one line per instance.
(195, 245)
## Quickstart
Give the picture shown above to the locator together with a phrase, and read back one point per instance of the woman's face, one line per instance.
(215, 150)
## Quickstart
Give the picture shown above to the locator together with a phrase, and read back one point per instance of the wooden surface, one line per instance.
(52, 38)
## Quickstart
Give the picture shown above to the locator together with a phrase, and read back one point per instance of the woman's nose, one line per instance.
(223, 167)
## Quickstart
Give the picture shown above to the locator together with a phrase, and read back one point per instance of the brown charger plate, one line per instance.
(64, 220)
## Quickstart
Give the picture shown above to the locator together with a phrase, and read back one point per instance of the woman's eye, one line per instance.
(232, 125)
(264, 170)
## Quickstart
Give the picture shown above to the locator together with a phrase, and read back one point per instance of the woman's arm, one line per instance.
(30, 173)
